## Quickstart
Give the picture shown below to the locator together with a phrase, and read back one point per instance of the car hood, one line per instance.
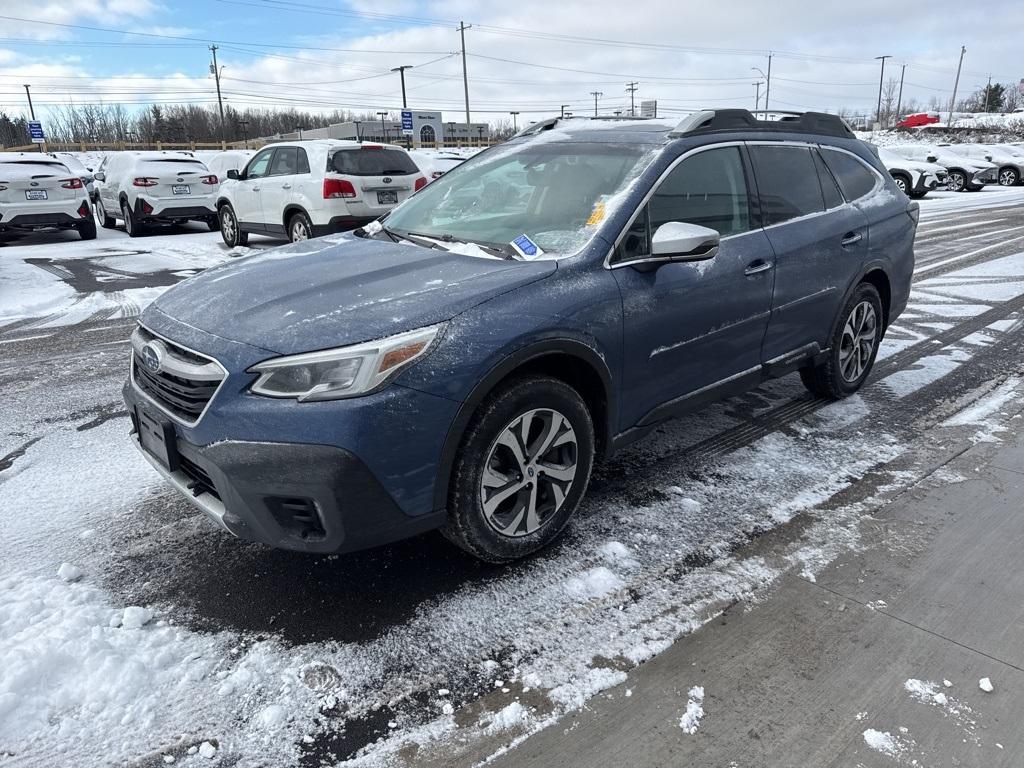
(339, 290)
(967, 163)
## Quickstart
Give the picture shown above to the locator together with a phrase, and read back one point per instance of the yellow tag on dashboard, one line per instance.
(596, 215)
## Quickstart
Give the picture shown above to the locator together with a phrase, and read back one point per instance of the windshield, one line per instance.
(556, 193)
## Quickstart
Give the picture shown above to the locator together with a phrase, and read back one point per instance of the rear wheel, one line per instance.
(956, 181)
(521, 471)
(107, 222)
(853, 347)
(299, 227)
(230, 232)
(87, 229)
(131, 225)
(902, 183)
(1009, 177)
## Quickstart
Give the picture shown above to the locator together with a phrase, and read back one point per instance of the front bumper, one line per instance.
(311, 498)
(981, 178)
(926, 182)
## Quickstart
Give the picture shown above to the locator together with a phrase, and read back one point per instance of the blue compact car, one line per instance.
(462, 363)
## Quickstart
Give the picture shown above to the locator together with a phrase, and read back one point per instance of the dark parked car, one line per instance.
(464, 362)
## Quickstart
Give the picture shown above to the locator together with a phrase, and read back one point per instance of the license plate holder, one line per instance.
(390, 197)
(181, 189)
(36, 194)
(157, 438)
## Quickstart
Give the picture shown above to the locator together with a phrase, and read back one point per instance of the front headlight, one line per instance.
(345, 372)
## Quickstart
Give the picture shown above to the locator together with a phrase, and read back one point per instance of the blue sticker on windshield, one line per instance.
(526, 247)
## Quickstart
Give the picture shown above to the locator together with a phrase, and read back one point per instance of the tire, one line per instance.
(230, 232)
(107, 222)
(956, 181)
(213, 222)
(841, 375)
(918, 195)
(1009, 177)
(131, 225)
(487, 466)
(299, 227)
(902, 183)
(87, 229)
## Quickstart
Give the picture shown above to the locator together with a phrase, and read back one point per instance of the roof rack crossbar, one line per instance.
(717, 120)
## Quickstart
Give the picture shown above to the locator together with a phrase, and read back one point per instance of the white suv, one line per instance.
(38, 191)
(145, 188)
(312, 188)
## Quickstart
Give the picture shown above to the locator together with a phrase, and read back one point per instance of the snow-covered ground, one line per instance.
(105, 659)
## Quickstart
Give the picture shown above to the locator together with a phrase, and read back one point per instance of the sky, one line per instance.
(529, 56)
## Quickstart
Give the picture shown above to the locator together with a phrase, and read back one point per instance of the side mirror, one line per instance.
(100, 176)
(685, 242)
(932, 159)
(233, 174)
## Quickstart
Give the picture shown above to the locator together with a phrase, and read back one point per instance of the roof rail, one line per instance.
(717, 120)
(550, 122)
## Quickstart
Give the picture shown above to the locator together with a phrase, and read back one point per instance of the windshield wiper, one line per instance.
(506, 252)
(410, 237)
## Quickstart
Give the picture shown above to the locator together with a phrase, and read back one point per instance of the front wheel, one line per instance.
(853, 347)
(956, 181)
(230, 232)
(521, 471)
(902, 183)
(1009, 177)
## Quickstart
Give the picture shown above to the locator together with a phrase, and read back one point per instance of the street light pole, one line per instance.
(596, 95)
(401, 72)
(245, 133)
(465, 77)
(757, 95)
(768, 83)
(881, 77)
(515, 126)
(215, 71)
(562, 115)
(357, 124)
(899, 99)
(383, 130)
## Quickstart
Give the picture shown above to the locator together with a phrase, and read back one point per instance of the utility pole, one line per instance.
(881, 77)
(757, 95)
(383, 130)
(562, 115)
(515, 127)
(899, 99)
(768, 83)
(245, 133)
(956, 84)
(215, 70)
(401, 71)
(596, 95)
(988, 95)
(632, 88)
(465, 77)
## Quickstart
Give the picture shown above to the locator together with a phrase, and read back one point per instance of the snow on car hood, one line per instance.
(339, 290)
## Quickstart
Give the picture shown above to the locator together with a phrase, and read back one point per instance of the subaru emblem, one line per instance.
(34, 183)
(152, 356)
(387, 179)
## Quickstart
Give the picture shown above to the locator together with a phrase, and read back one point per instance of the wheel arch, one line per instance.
(290, 210)
(569, 360)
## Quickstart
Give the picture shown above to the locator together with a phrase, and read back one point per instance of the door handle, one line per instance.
(851, 238)
(286, 186)
(757, 267)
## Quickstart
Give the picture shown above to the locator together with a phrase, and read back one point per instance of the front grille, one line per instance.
(186, 381)
(200, 481)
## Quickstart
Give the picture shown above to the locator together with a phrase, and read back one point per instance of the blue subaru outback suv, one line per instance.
(462, 363)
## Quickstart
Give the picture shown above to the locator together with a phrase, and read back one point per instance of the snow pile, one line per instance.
(575, 693)
(690, 720)
(509, 717)
(882, 741)
(593, 583)
(986, 685)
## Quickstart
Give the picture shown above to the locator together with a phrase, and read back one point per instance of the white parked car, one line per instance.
(435, 163)
(147, 188)
(963, 174)
(228, 160)
(916, 178)
(78, 167)
(37, 191)
(311, 188)
(1011, 166)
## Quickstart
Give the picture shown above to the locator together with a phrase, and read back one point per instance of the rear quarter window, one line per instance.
(371, 162)
(855, 179)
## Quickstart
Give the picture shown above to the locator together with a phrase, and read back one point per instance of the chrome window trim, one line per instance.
(143, 394)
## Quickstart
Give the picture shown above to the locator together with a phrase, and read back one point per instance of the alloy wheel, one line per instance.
(901, 185)
(1007, 177)
(528, 472)
(858, 342)
(227, 225)
(126, 214)
(299, 231)
(956, 182)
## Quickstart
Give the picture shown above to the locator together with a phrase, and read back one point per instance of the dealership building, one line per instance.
(428, 129)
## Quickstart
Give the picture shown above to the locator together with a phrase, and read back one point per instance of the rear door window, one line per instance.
(369, 161)
(787, 182)
(855, 179)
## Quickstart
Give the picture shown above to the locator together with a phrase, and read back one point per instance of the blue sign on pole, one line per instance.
(407, 122)
(35, 132)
